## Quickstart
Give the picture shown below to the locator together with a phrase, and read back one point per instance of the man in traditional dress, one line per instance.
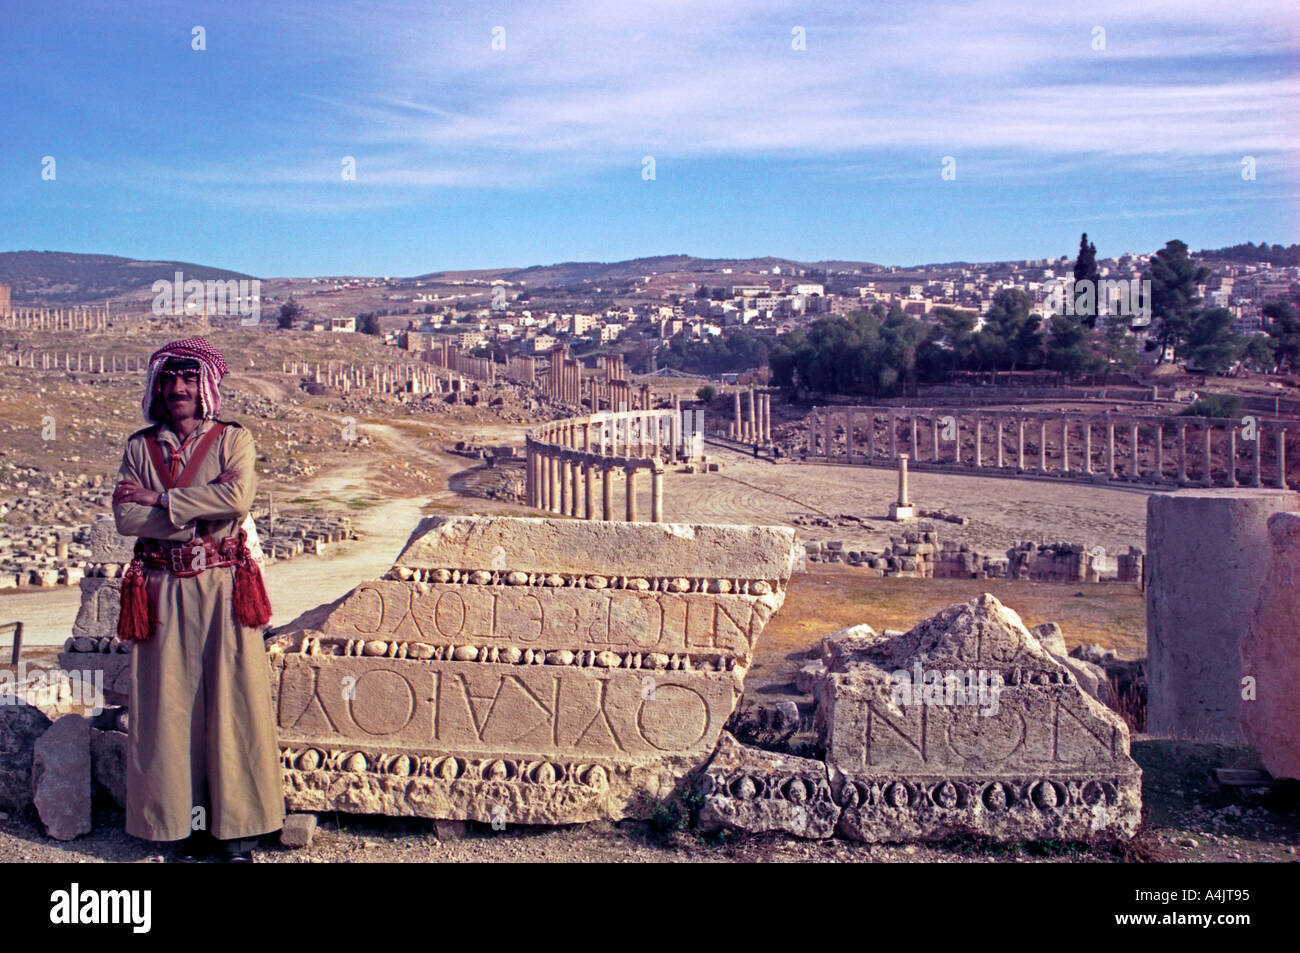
(202, 756)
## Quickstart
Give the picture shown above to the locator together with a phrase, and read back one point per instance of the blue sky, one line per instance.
(468, 156)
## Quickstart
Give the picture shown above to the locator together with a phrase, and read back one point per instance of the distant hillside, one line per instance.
(1281, 255)
(578, 272)
(54, 277)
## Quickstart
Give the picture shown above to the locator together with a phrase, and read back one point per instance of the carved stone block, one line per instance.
(966, 725)
(757, 791)
(525, 670)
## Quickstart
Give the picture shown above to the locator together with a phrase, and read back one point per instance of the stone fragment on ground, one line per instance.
(61, 778)
(20, 725)
(298, 830)
(966, 725)
(756, 791)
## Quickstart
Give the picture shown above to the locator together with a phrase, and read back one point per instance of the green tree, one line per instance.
(1212, 345)
(1283, 327)
(1174, 277)
(368, 324)
(1070, 346)
(707, 393)
(290, 311)
(1085, 269)
(1010, 336)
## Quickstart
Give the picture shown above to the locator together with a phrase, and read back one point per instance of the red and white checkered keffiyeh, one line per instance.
(212, 367)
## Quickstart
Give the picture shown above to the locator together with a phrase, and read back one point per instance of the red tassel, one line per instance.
(252, 605)
(134, 621)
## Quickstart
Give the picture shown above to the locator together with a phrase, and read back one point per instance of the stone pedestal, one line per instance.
(1207, 556)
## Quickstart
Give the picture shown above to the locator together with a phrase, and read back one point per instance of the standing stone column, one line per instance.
(1020, 444)
(916, 454)
(1065, 445)
(849, 441)
(565, 481)
(1209, 460)
(589, 478)
(631, 493)
(871, 437)
(767, 418)
(830, 433)
(607, 492)
(979, 442)
(1087, 446)
(1160, 452)
(1042, 446)
(893, 436)
(902, 510)
(575, 467)
(997, 423)
(657, 493)
(530, 478)
(934, 438)
(1281, 458)
(1232, 455)
(735, 398)
(1137, 466)
(553, 480)
(1110, 448)
(1207, 555)
(1255, 473)
(752, 434)
(1182, 453)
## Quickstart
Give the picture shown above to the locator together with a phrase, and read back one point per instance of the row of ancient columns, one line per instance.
(447, 355)
(522, 369)
(81, 318)
(1144, 434)
(376, 378)
(94, 363)
(564, 456)
(756, 426)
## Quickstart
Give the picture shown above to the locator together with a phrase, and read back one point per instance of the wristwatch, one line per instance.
(162, 499)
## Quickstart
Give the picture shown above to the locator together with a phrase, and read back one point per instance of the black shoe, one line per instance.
(195, 848)
(238, 851)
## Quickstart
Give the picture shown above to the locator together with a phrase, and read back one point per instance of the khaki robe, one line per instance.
(202, 730)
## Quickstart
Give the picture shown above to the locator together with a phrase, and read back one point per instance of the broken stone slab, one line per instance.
(1092, 678)
(108, 763)
(1270, 656)
(20, 725)
(748, 789)
(966, 725)
(61, 778)
(525, 671)
(806, 678)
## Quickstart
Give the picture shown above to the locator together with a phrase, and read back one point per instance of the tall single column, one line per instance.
(575, 468)
(752, 435)
(1182, 452)
(979, 442)
(997, 423)
(1209, 460)
(1160, 451)
(767, 418)
(529, 483)
(911, 447)
(566, 501)
(934, 438)
(1065, 445)
(1281, 458)
(1087, 446)
(553, 479)
(607, 492)
(657, 493)
(735, 399)
(849, 442)
(830, 432)
(1136, 473)
(1232, 455)
(1020, 444)
(1255, 473)
(631, 493)
(589, 478)
(1110, 448)
(871, 436)
(893, 436)
(1042, 446)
